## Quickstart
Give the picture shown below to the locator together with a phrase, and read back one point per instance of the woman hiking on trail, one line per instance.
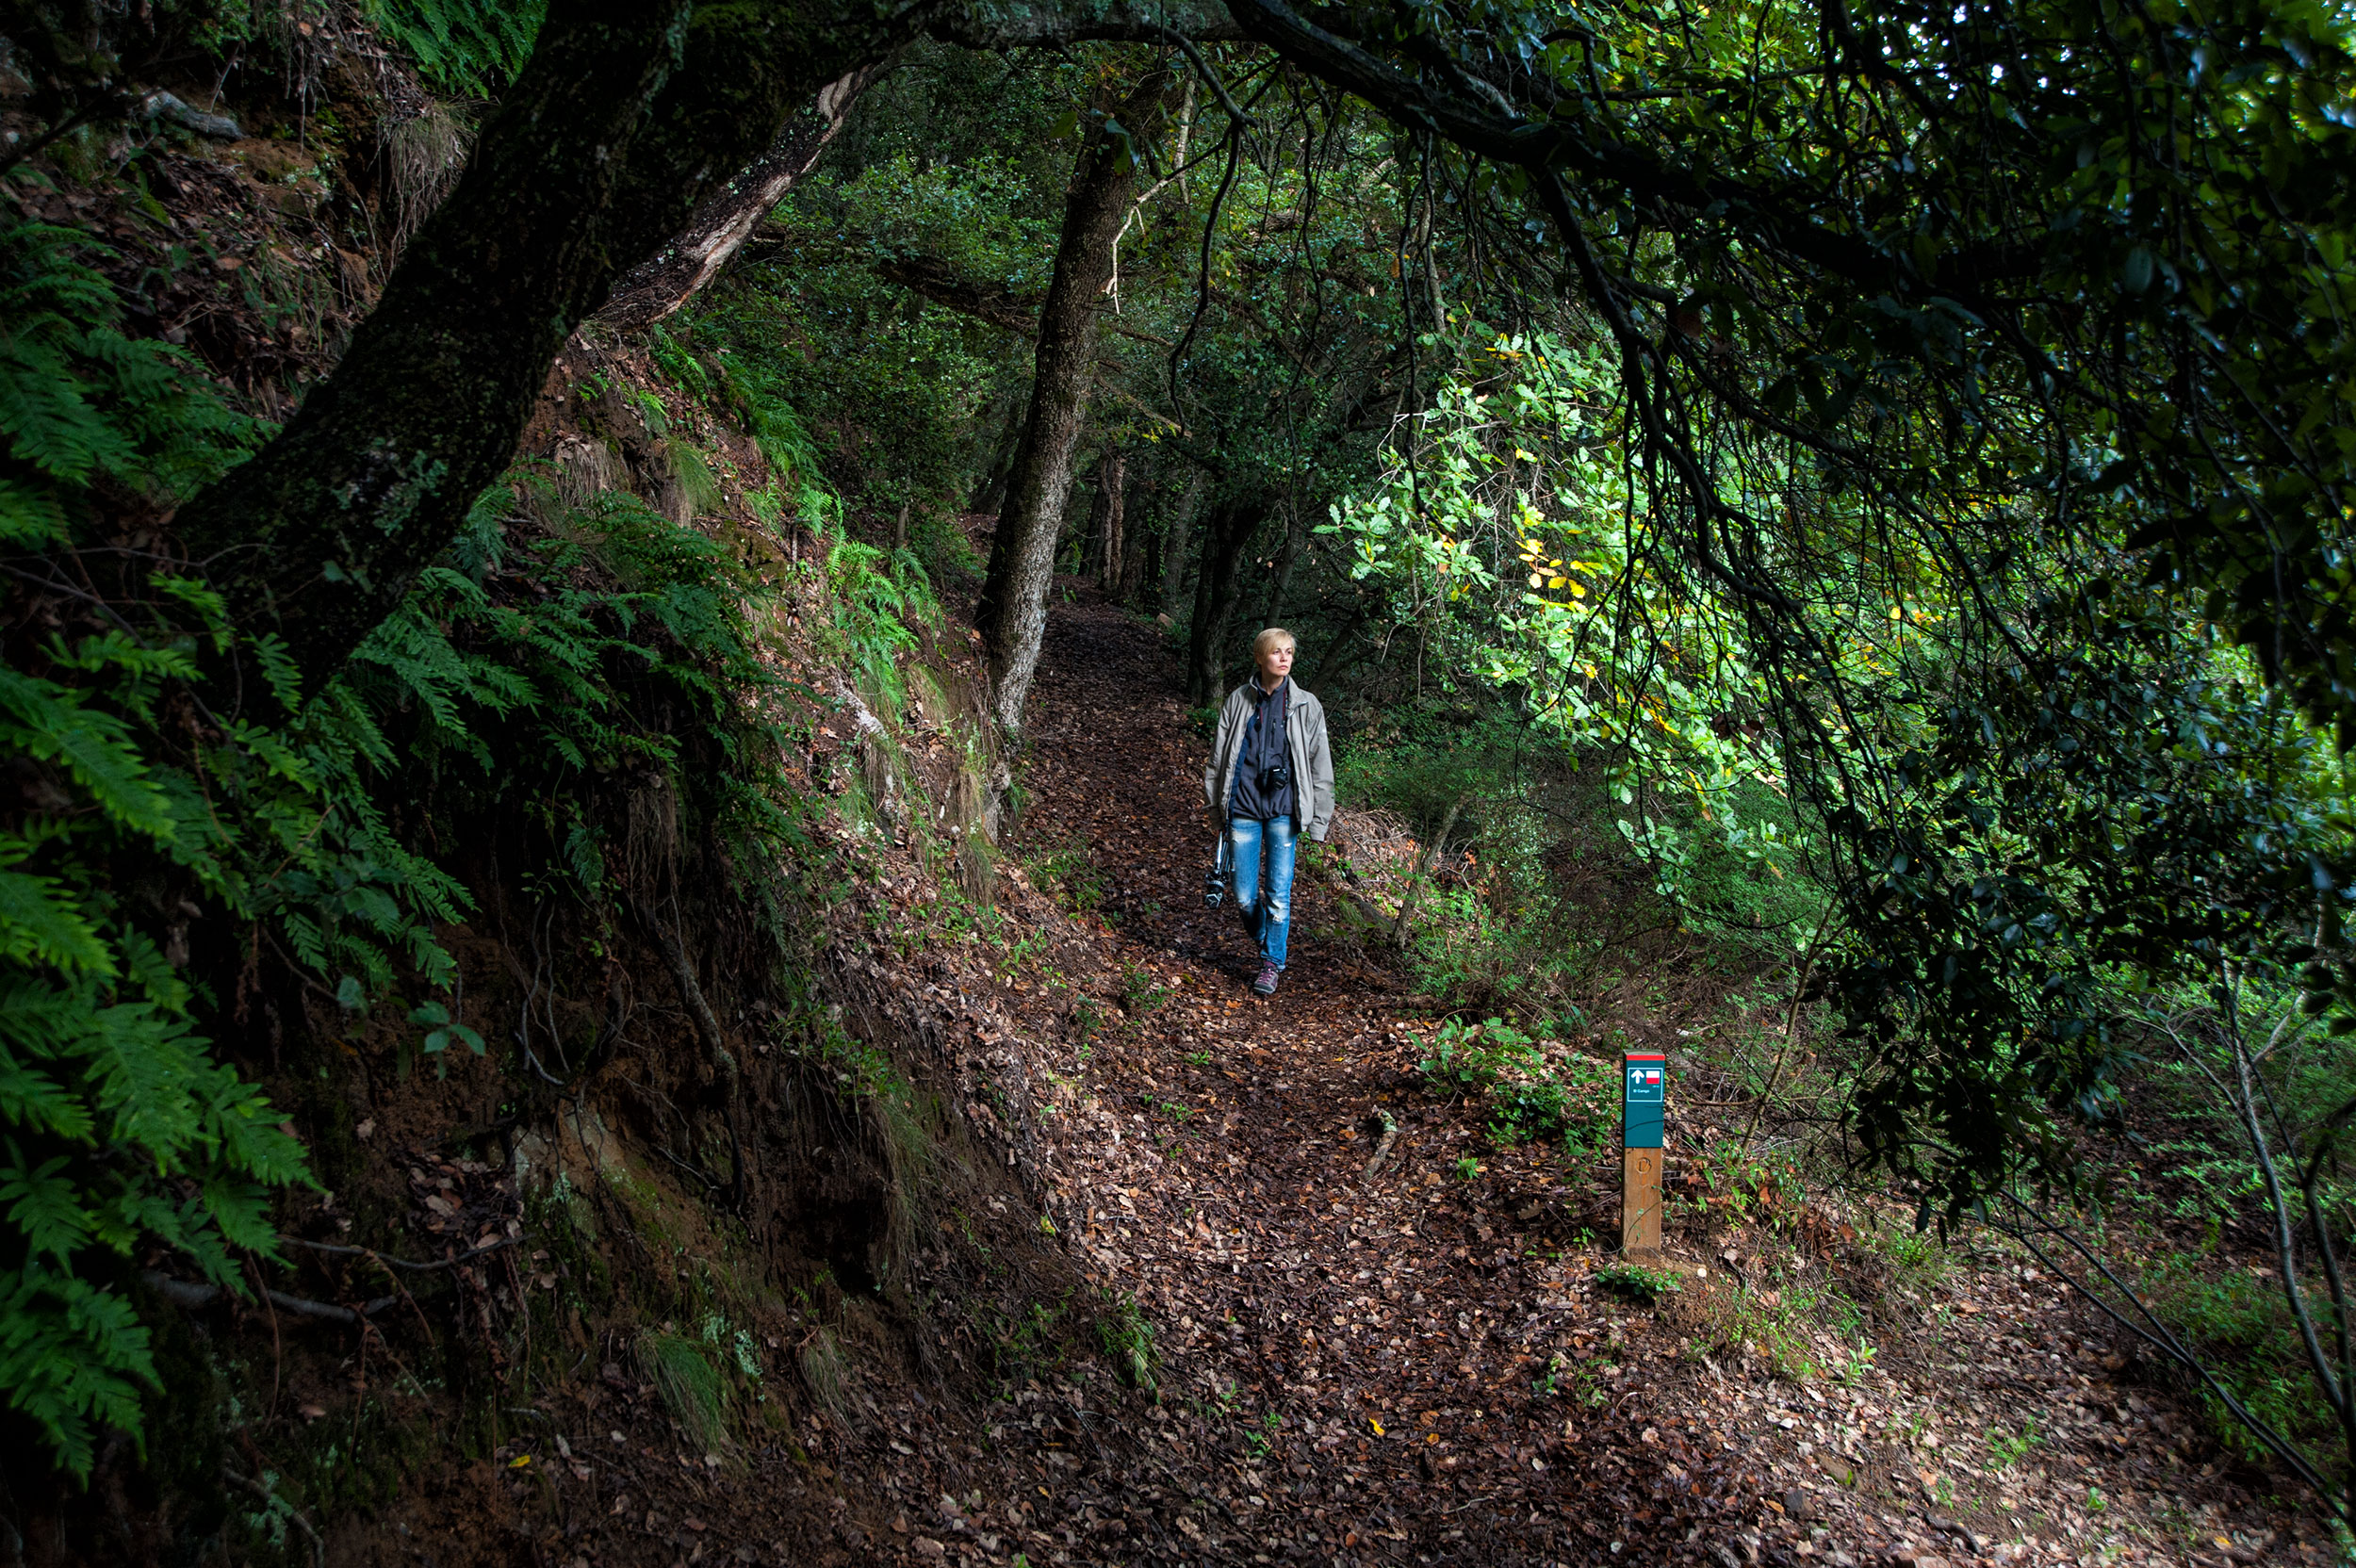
(1270, 780)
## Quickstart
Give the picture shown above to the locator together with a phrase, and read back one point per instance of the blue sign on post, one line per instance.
(1644, 1096)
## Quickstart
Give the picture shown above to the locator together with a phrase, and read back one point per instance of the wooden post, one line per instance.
(1640, 1205)
(1644, 1105)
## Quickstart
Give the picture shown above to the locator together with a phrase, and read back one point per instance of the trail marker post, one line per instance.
(1643, 1099)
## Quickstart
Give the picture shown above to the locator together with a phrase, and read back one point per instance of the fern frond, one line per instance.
(44, 1203)
(37, 924)
(32, 1099)
(30, 519)
(72, 1358)
(96, 747)
(47, 421)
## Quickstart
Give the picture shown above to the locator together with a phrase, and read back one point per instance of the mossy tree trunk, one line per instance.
(1013, 609)
(629, 117)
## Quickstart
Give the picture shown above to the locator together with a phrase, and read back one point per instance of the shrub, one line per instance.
(1638, 1281)
(691, 1386)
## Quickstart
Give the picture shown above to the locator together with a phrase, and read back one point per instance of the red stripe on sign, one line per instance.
(1646, 1056)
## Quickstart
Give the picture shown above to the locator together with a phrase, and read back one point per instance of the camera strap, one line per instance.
(1269, 741)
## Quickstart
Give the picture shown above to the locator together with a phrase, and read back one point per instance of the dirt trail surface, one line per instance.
(1377, 1361)
(1225, 1285)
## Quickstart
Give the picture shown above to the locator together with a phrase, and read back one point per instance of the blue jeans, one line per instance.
(1267, 919)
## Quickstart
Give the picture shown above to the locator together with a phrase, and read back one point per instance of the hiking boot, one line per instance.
(1266, 984)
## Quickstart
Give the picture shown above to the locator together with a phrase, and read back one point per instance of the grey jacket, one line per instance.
(1304, 738)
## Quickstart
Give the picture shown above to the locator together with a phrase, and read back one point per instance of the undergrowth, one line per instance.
(1532, 1089)
(471, 47)
(522, 669)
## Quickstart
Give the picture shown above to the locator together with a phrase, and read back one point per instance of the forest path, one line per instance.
(1379, 1343)
(1415, 1366)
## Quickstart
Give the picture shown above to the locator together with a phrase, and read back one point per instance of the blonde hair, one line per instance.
(1269, 638)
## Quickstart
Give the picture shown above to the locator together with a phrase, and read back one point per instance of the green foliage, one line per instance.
(2009, 1448)
(1024, 1343)
(119, 1131)
(1068, 873)
(1538, 1111)
(2115, 810)
(1495, 929)
(854, 386)
(2242, 1326)
(1532, 1095)
(1916, 1257)
(1639, 1281)
(1993, 791)
(1468, 1058)
(1140, 996)
(877, 596)
(682, 1371)
(1784, 1325)
(1504, 525)
(1126, 1336)
(472, 47)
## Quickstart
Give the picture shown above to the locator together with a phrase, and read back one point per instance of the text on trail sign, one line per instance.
(1644, 1096)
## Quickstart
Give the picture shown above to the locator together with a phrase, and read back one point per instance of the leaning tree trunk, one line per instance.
(627, 119)
(1226, 538)
(1013, 607)
(658, 286)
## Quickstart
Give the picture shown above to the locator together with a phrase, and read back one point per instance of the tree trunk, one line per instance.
(1013, 609)
(660, 285)
(1226, 538)
(1084, 546)
(631, 115)
(627, 120)
(1287, 554)
(1137, 543)
(1115, 478)
(1174, 538)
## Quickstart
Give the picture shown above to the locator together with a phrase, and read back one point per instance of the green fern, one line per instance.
(465, 46)
(509, 681)
(118, 1129)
